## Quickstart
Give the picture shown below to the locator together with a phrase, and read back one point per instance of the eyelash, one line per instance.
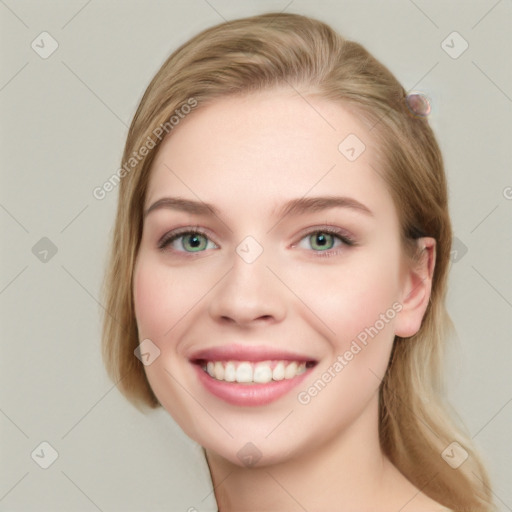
(196, 230)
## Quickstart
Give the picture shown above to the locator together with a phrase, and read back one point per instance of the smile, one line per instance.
(250, 376)
(250, 372)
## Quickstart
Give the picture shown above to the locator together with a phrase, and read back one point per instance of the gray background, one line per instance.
(64, 120)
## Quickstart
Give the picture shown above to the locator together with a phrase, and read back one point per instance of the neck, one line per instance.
(348, 471)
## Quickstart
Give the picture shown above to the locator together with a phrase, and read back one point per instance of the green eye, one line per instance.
(321, 241)
(195, 241)
(187, 242)
(326, 241)
(192, 241)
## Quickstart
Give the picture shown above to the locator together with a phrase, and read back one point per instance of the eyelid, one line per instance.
(170, 236)
(343, 235)
(327, 228)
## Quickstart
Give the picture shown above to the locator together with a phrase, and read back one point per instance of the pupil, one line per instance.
(321, 240)
(195, 242)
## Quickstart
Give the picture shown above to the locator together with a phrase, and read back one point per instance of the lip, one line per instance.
(239, 394)
(237, 352)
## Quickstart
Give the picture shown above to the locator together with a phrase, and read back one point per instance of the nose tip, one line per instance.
(246, 318)
(248, 293)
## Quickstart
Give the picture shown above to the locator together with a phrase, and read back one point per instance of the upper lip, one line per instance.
(237, 352)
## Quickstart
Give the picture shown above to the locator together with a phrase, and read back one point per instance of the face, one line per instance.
(238, 278)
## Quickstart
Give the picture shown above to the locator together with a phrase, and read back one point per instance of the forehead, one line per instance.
(260, 149)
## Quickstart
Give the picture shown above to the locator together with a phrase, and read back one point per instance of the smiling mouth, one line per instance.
(251, 372)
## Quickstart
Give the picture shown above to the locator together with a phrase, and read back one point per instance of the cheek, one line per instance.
(148, 292)
(351, 296)
(359, 306)
(163, 296)
(155, 295)
(160, 303)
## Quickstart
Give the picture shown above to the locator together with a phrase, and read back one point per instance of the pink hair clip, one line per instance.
(418, 104)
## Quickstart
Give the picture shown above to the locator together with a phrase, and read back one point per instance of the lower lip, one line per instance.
(248, 394)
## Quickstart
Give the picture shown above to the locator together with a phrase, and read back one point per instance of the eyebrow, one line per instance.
(293, 207)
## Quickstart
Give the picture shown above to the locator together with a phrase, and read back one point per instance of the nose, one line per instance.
(249, 294)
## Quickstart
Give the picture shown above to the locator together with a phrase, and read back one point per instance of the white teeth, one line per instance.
(229, 372)
(278, 372)
(262, 373)
(219, 371)
(246, 372)
(290, 371)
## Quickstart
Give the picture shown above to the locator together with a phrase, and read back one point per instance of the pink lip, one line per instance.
(248, 394)
(237, 352)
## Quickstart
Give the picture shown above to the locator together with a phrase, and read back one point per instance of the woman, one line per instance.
(278, 274)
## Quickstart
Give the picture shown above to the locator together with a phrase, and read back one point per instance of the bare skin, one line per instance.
(248, 157)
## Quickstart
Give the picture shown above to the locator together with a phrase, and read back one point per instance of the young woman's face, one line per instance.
(293, 276)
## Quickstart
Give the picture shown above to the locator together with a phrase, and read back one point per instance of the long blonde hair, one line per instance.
(270, 50)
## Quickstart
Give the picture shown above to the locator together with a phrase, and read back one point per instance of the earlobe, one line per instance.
(416, 289)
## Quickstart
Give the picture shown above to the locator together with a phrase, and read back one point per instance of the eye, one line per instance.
(324, 240)
(188, 241)
(321, 241)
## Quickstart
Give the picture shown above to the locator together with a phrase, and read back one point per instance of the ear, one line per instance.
(416, 288)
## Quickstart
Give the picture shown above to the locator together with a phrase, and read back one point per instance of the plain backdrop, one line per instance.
(64, 119)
